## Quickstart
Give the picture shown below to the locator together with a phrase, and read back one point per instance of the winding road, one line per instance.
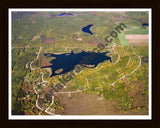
(35, 60)
(123, 76)
(77, 91)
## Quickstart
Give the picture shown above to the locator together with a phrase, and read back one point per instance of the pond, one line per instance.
(65, 14)
(87, 29)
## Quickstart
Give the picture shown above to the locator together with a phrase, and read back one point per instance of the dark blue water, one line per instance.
(145, 24)
(87, 29)
(68, 61)
(65, 14)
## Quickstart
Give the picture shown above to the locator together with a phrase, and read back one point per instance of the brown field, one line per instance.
(137, 36)
(140, 40)
(86, 104)
(90, 104)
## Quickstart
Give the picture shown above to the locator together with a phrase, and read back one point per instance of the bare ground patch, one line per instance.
(140, 36)
(140, 40)
(90, 104)
(86, 104)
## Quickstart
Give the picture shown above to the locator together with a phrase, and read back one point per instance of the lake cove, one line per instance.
(66, 62)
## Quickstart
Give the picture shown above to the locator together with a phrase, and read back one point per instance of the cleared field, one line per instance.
(132, 36)
(123, 39)
(140, 40)
(90, 104)
(136, 30)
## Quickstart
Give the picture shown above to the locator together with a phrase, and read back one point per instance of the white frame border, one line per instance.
(79, 117)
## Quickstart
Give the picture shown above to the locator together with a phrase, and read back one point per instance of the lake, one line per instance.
(66, 62)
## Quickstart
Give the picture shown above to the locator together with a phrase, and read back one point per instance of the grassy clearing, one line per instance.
(123, 40)
(136, 30)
